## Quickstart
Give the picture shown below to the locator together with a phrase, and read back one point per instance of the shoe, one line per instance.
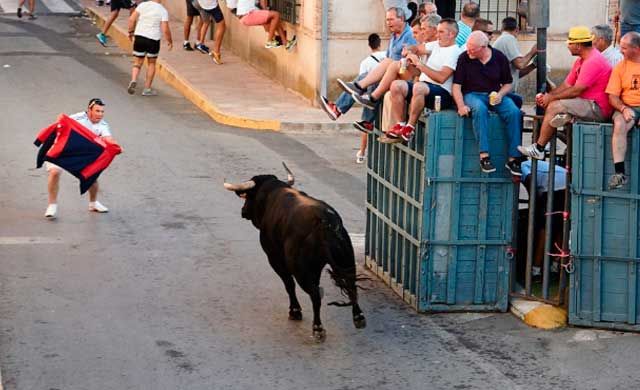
(395, 131)
(51, 212)
(291, 43)
(19, 12)
(97, 207)
(217, 58)
(514, 167)
(364, 126)
(187, 46)
(407, 133)
(360, 158)
(149, 92)
(351, 87)
(531, 151)
(486, 166)
(32, 17)
(366, 100)
(560, 120)
(131, 89)
(618, 180)
(278, 39)
(102, 39)
(330, 108)
(272, 44)
(202, 48)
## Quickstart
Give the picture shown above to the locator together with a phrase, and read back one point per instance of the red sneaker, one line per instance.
(395, 131)
(407, 132)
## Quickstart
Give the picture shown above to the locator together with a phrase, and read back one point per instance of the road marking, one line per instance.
(43, 7)
(29, 240)
(57, 6)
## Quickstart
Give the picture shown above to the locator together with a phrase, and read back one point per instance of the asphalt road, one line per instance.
(170, 289)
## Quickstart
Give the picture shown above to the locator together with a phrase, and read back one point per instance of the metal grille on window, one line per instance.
(495, 11)
(287, 9)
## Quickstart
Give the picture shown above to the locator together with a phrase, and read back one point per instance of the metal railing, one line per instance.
(287, 8)
(494, 10)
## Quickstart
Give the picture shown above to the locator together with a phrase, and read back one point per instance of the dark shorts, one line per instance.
(191, 10)
(446, 101)
(145, 47)
(208, 14)
(120, 4)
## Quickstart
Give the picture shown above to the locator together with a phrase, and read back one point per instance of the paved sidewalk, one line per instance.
(234, 93)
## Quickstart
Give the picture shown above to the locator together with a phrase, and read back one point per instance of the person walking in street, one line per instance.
(32, 9)
(116, 6)
(624, 96)
(93, 120)
(210, 10)
(147, 24)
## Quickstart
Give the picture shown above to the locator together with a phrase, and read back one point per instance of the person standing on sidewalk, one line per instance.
(116, 6)
(93, 120)
(188, 21)
(32, 9)
(210, 10)
(147, 24)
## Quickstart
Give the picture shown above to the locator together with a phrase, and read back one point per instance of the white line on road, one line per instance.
(29, 241)
(9, 6)
(57, 6)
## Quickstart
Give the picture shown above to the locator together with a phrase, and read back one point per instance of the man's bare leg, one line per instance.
(399, 90)
(53, 185)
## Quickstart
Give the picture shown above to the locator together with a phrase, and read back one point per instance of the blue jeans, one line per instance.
(508, 112)
(626, 27)
(345, 102)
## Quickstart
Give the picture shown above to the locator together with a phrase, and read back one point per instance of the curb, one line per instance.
(184, 87)
(538, 314)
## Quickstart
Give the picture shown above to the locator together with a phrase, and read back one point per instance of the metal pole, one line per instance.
(548, 220)
(533, 186)
(566, 227)
(324, 67)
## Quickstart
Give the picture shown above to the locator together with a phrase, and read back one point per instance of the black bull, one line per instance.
(300, 235)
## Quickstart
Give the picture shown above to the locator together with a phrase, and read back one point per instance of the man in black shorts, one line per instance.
(210, 10)
(191, 13)
(116, 6)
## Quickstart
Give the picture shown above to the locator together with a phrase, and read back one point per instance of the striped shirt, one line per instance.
(463, 33)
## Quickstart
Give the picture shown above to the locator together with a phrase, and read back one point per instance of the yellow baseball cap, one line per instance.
(580, 34)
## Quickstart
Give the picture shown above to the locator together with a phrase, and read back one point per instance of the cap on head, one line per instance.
(580, 34)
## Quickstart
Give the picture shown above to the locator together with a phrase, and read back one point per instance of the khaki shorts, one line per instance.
(583, 109)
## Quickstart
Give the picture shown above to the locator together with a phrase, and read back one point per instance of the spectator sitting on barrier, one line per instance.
(581, 95)
(520, 64)
(427, 8)
(624, 96)
(435, 80)
(250, 15)
(401, 36)
(402, 69)
(603, 39)
(210, 10)
(472, 96)
(468, 16)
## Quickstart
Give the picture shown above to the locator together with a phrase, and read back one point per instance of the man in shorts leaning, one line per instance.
(210, 10)
(147, 24)
(116, 6)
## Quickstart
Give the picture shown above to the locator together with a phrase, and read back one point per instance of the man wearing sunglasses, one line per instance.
(93, 120)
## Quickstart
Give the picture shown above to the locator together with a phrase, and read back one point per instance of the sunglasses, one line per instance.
(96, 101)
(489, 33)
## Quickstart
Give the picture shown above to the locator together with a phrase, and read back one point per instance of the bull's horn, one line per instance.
(247, 185)
(290, 178)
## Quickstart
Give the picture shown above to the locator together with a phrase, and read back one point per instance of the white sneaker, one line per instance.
(97, 207)
(52, 209)
(360, 158)
(531, 151)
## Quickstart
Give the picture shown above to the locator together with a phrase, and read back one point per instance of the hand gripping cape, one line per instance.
(76, 149)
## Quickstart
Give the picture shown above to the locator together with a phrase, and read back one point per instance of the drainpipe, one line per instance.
(324, 51)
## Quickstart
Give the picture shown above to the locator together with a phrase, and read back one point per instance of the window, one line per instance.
(495, 11)
(287, 9)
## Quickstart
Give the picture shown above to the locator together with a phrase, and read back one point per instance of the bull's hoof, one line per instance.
(295, 314)
(319, 334)
(359, 321)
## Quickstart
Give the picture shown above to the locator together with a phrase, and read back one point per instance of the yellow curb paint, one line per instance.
(186, 89)
(546, 317)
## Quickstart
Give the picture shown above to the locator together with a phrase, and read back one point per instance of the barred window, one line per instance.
(495, 11)
(287, 9)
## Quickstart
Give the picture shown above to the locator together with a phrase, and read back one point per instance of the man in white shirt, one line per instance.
(603, 42)
(93, 120)
(147, 24)
(436, 77)
(507, 44)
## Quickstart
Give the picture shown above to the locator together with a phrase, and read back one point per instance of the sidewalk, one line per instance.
(234, 93)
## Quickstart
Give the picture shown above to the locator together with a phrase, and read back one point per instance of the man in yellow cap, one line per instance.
(581, 95)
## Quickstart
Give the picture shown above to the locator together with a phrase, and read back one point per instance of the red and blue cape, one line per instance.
(76, 149)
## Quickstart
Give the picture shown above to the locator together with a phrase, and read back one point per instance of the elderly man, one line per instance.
(401, 35)
(624, 95)
(481, 71)
(398, 70)
(435, 80)
(603, 39)
(581, 95)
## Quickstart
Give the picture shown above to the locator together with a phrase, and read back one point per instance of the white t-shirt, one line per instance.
(369, 63)
(231, 4)
(613, 55)
(507, 44)
(100, 129)
(439, 58)
(151, 15)
(208, 4)
(245, 6)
